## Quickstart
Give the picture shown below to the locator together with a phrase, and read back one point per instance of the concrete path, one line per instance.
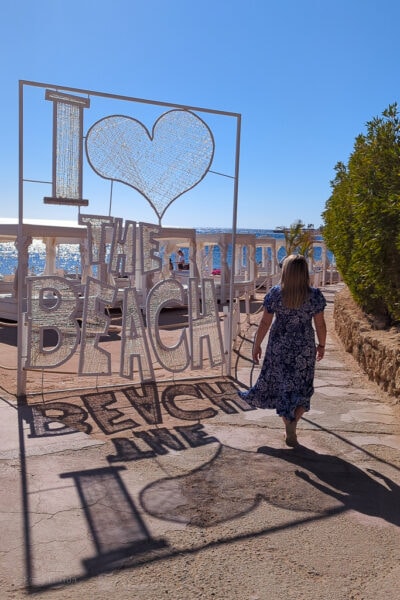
(180, 491)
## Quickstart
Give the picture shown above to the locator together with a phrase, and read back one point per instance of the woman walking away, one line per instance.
(286, 380)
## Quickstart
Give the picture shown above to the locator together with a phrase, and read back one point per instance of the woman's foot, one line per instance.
(292, 441)
(291, 437)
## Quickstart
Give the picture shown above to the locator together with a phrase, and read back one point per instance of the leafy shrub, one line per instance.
(362, 217)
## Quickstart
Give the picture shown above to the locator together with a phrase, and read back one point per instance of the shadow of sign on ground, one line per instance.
(155, 475)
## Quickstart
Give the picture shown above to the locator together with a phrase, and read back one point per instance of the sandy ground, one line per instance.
(181, 492)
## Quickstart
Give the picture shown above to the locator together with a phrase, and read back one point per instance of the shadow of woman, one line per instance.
(368, 492)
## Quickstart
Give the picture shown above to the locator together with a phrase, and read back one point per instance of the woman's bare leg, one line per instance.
(291, 437)
(299, 412)
(291, 426)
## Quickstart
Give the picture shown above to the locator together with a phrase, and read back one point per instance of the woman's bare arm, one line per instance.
(262, 331)
(320, 328)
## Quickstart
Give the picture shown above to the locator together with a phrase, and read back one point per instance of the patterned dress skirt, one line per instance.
(286, 379)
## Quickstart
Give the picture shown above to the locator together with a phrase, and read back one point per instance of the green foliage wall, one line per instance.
(362, 217)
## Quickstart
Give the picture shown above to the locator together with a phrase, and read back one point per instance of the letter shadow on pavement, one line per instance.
(117, 529)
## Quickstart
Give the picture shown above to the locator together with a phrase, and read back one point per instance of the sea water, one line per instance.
(68, 258)
(68, 255)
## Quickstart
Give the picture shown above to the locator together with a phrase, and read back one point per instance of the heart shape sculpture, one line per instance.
(161, 165)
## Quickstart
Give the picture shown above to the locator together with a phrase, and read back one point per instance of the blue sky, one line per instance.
(306, 75)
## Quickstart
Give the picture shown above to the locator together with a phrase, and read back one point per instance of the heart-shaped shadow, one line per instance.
(161, 165)
(231, 484)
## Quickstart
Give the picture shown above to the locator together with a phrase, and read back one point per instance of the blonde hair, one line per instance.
(295, 281)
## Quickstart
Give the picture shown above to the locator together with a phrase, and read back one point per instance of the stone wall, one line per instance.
(377, 352)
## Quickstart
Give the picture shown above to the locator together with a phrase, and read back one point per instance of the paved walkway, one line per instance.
(179, 491)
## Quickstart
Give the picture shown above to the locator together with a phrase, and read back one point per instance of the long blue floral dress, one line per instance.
(286, 380)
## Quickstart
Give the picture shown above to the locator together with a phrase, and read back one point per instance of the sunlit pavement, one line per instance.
(181, 491)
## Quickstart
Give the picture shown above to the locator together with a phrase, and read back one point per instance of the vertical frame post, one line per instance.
(21, 273)
(234, 226)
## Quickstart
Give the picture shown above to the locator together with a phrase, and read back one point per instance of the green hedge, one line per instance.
(362, 217)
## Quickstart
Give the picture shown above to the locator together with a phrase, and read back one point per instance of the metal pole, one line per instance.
(21, 374)
(234, 224)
